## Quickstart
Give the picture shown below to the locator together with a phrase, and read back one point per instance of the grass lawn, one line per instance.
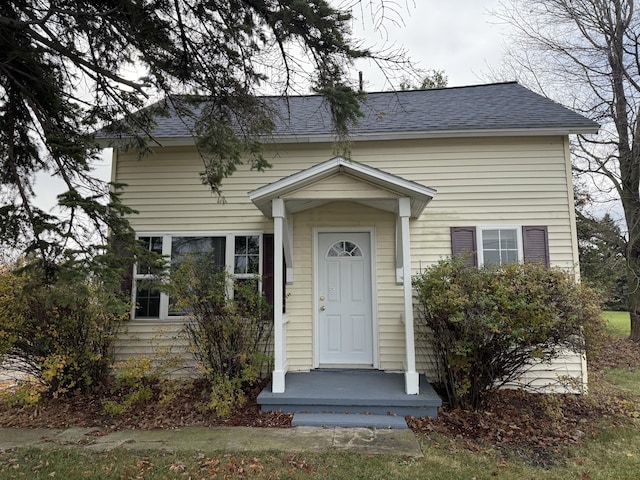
(618, 323)
(624, 379)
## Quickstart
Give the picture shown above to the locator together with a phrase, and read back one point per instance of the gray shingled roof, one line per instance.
(497, 106)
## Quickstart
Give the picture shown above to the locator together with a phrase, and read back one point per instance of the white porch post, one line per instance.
(279, 346)
(411, 378)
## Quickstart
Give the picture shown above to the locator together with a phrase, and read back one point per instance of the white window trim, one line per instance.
(479, 232)
(232, 261)
(166, 252)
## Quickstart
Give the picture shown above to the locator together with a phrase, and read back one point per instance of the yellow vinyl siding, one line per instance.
(512, 180)
(566, 374)
(327, 189)
(479, 181)
(167, 191)
(164, 341)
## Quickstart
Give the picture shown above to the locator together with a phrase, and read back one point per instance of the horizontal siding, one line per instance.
(565, 374)
(163, 341)
(327, 188)
(515, 180)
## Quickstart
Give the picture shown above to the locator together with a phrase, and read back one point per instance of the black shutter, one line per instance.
(126, 281)
(463, 242)
(535, 243)
(125, 254)
(267, 266)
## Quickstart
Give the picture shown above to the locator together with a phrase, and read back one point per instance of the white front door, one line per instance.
(345, 323)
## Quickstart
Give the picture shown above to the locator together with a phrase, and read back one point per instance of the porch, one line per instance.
(333, 316)
(371, 398)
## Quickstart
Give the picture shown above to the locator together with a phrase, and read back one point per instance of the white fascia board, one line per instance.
(419, 194)
(154, 141)
(296, 180)
(427, 134)
(382, 178)
(361, 137)
(337, 165)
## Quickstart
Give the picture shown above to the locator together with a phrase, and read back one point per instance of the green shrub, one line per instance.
(12, 311)
(133, 378)
(486, 324)
(226, 393)
(24, 394)
(140, 379)
(59, 322)
(230, 335)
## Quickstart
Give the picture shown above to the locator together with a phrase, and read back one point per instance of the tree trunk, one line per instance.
(635, 326)
(631, 205)
(634, 313)
(633, 282)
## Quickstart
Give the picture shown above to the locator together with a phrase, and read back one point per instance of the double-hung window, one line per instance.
(498, 245)
(147, 297)
(246, 260)
(239, 254)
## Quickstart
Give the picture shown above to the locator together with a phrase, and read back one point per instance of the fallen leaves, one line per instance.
(86, 410)
(537, 423)
(514, 419)
(229, 467)
(295, 464)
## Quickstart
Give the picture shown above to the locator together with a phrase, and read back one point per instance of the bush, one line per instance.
(226, 394)
(230, 337)
(138, 380)
(23, 395)
(134, 379)
(11, 309)
(486, 324)
(58, 321)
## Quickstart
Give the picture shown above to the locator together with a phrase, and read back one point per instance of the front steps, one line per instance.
(348, 420)
(375, 397)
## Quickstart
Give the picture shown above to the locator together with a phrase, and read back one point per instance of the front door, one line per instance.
(345, 323)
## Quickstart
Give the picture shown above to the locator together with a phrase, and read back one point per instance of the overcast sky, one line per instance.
(458, 36)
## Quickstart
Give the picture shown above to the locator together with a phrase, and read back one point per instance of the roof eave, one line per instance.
(419, 194)
(373, 136)
(157, 141)
(426, 134)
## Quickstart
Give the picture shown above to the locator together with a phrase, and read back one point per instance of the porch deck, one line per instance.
(350, 391)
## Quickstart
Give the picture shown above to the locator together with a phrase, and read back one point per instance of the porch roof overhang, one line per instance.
(419, 195)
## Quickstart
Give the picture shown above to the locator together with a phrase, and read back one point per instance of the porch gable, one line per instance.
(339, 179)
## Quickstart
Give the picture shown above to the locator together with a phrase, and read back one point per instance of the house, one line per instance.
(431, 172)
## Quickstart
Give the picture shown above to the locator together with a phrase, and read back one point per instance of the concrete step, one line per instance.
(350, 391)
(349, 407)
(348, 420)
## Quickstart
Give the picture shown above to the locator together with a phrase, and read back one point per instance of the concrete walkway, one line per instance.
(230, 439)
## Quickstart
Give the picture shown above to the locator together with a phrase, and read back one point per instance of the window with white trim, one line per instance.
(246, 260)
(499, 244)
(495, 244)
(238, 253)
(147, 298)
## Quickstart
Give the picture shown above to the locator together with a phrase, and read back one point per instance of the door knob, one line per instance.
(323, 308)
(322, 299)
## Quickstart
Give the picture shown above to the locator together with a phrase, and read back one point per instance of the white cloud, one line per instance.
(460, 37)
